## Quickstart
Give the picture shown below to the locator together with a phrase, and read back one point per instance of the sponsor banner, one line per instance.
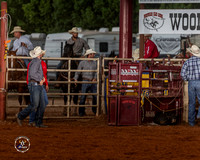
(169, 1)
(167, 43)
(169, 21)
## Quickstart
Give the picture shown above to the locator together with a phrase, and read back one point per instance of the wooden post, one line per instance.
(2, 61)
(125, 39)
(141, 39)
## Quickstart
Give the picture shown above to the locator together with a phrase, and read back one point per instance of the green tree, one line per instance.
(97, 14)
(62, 15)
(39, 15)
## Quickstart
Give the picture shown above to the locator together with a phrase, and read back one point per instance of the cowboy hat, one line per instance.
(89, 51)
(17, 29)
(136, 53)
(37, 52)
(194, 50)
(74, 30)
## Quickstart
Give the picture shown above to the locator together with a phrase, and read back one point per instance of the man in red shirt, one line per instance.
(151, 50)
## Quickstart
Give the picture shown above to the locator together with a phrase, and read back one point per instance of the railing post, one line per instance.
(2, 61)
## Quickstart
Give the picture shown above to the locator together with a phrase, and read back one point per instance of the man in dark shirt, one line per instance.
(36, 80)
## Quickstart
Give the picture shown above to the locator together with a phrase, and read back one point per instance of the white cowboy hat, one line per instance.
(37, 52)
(74, 30)
(89, 51)
(136, 53)
(194, 50)
(17, 29)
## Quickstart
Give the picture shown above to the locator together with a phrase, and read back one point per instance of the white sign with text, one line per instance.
(169, 21)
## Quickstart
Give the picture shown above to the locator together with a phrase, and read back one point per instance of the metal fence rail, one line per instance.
(68, 82)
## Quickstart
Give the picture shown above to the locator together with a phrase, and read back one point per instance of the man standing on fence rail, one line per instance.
(90, 77)
(78, 45)
(35, 85)
(191, 72)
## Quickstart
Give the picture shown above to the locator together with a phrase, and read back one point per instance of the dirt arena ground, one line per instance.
(93, 139)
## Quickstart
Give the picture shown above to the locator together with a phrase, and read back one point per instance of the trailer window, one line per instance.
(103, 47)
(134, 40)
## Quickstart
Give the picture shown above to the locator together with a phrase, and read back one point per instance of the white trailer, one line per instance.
(102, 41)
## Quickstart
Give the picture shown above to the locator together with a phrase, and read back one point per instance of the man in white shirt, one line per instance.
(22, 44)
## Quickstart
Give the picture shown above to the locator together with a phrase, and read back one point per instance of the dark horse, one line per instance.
(17, 76)
(63, 76)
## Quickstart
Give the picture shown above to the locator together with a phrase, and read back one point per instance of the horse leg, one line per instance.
(75, 100)
(65, 90)
(65, 108)
(20, 102)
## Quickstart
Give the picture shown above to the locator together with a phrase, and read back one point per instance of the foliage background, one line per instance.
(51, 16)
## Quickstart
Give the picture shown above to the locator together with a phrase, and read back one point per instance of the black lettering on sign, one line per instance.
(175, 23)
(185, 21)
(189, 21)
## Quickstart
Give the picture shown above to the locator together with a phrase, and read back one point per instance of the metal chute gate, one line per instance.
(161, 88)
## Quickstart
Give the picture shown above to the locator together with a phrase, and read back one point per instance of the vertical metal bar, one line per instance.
(103, 86)
(68, 85)
(2, 62)
(7, 66)
(97, 114)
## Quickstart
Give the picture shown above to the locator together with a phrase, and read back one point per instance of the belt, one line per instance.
(34, 81)
(87, 79)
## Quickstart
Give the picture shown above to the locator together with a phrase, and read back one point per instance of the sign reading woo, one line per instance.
(169, 21)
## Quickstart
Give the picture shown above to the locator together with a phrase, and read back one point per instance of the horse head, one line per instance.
(68, 50)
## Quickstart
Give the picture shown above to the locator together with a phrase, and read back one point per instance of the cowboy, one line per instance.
(35, 86)
(45, 90)
(151, 50)
(191, 72)
(87, 76)
(79, 43)
(22, 45)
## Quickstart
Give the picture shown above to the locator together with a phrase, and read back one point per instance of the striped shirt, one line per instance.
(87, 65)
(78, 46)
(191, 69)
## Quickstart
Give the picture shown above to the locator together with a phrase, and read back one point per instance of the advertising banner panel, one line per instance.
(169, 21)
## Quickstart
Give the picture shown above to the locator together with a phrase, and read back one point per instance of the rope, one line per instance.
(172, 99)
(61, 74)
(160, 108)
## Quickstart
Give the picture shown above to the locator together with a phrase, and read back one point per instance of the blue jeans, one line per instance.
(37, 103)
(32, 115)
(193, 92)
(85, 89)
(26, 62)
